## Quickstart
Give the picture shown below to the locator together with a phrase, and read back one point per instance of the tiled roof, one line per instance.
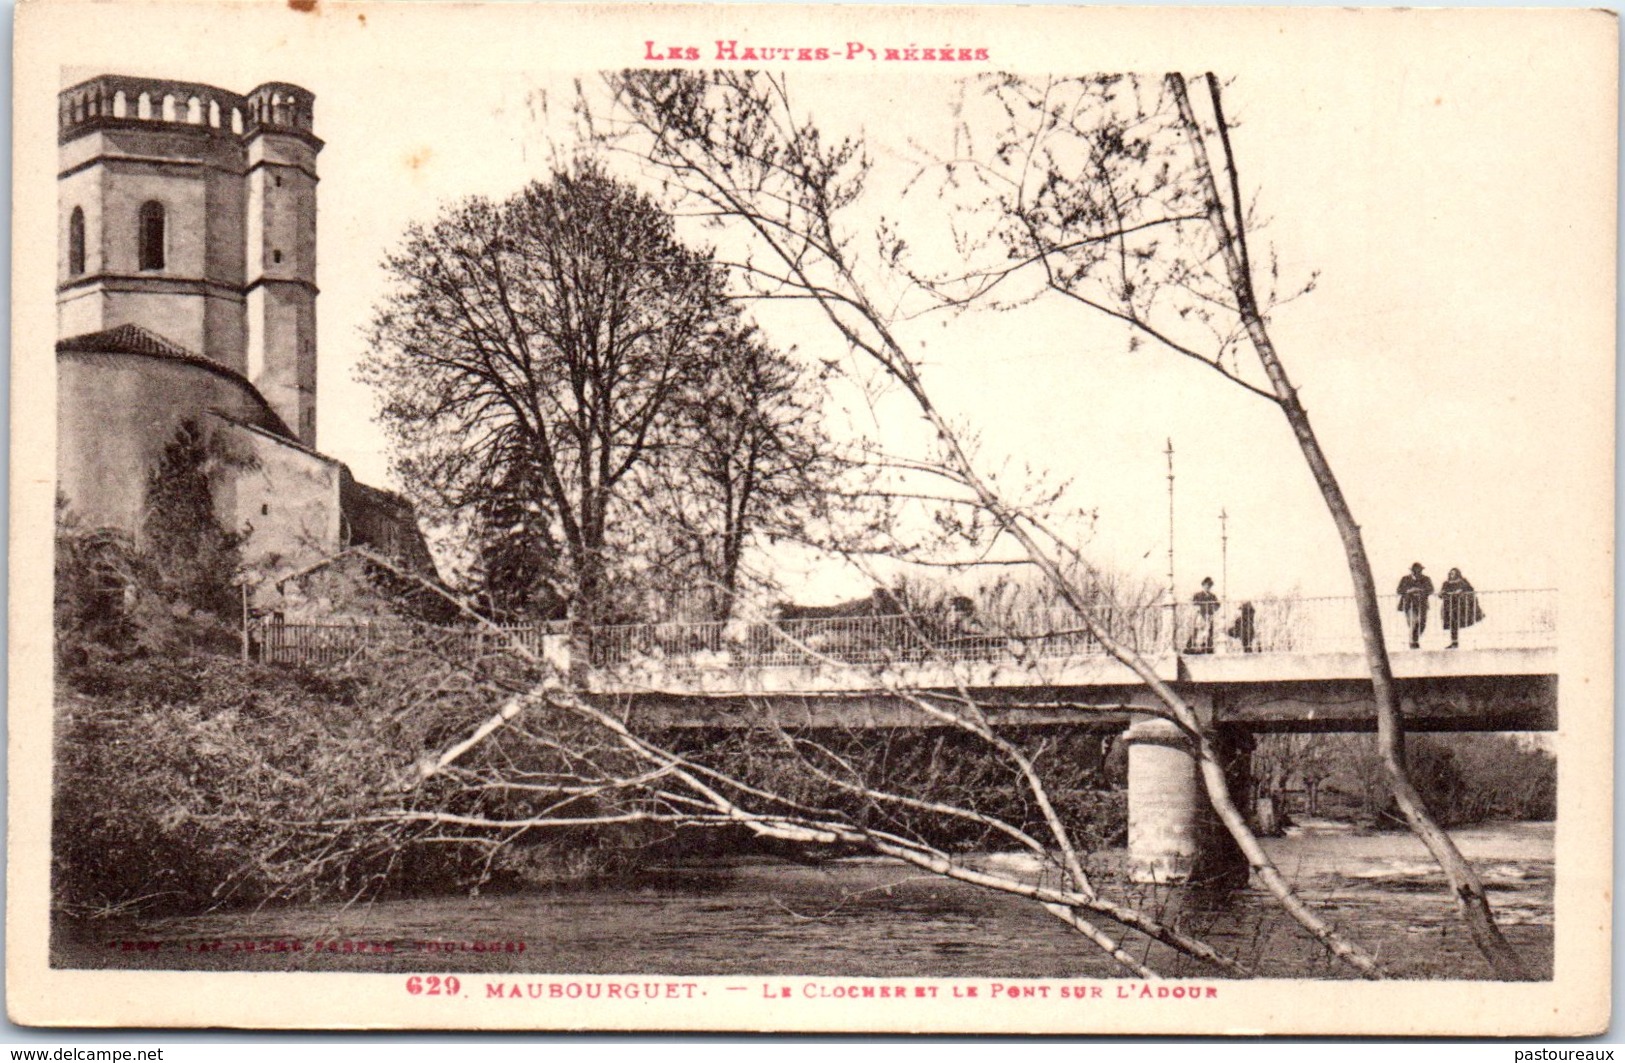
(133, 339)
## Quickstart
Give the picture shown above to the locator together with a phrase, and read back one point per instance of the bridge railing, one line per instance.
(1508, 619)
(335, 641)
(855, 640)
(1501, 620)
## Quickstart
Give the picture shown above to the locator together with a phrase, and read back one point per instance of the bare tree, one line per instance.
(551, 759)
(1118, 201)
(750, 463)
(1281, 760)
(568, 387)
(1108, 186)
(733, 145)
(531, 356)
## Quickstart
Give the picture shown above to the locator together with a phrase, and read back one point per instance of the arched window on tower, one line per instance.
(150, 235)
(76, 242)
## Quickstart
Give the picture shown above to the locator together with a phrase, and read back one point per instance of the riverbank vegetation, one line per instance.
(1465, 778)
(188, 779)
(573, 399)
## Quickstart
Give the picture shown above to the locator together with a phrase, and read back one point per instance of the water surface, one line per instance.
(879, 918)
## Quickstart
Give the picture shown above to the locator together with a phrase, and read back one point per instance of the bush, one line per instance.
(1472, 778)
(186, 779)
(191, 783)
(184, 784)
(940, 765)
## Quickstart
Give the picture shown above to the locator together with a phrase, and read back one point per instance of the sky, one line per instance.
(1449, 198)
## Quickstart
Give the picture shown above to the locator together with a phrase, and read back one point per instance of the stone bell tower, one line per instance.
(190, 211)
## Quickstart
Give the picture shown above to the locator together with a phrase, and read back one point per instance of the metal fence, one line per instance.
(333, 642)
(1502, 620)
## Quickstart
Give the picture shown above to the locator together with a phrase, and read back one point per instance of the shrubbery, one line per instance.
(183, 783)
(184, 778)
(187, 779)
(1471, 778)
(1464, 778)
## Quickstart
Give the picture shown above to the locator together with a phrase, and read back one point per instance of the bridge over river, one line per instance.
(1299, 665)
(1296, 666)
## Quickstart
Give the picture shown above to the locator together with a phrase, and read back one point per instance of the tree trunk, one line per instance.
(1465, 886)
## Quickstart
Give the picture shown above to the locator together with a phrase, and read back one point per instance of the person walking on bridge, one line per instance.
(1414, 592)
(1207, 607)
(1458, 606)
(1245, 628)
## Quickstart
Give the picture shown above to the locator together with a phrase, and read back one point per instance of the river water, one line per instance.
(877, 918)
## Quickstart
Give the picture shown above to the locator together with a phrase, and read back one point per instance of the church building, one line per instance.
(186, 300)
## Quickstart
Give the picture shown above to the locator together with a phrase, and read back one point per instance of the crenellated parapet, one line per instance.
(117, 100)
(280, 106)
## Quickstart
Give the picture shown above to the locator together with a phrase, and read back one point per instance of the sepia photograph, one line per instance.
(728, 518)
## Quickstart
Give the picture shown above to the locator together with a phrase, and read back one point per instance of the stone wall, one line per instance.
(283, 498)
(115, 414)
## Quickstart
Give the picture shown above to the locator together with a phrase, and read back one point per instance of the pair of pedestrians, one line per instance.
(1207, 606)
(1458, 604)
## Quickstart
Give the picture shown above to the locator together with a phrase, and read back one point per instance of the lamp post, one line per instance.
(1173, 591)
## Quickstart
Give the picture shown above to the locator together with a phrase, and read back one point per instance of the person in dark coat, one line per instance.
(1458, 606)
(1414, 592)
(1207, 607)
(1246, 627)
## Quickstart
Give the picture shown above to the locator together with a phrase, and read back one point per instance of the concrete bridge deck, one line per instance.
(1499, 689)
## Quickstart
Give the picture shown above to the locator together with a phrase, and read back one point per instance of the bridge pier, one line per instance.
(1174, 836)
